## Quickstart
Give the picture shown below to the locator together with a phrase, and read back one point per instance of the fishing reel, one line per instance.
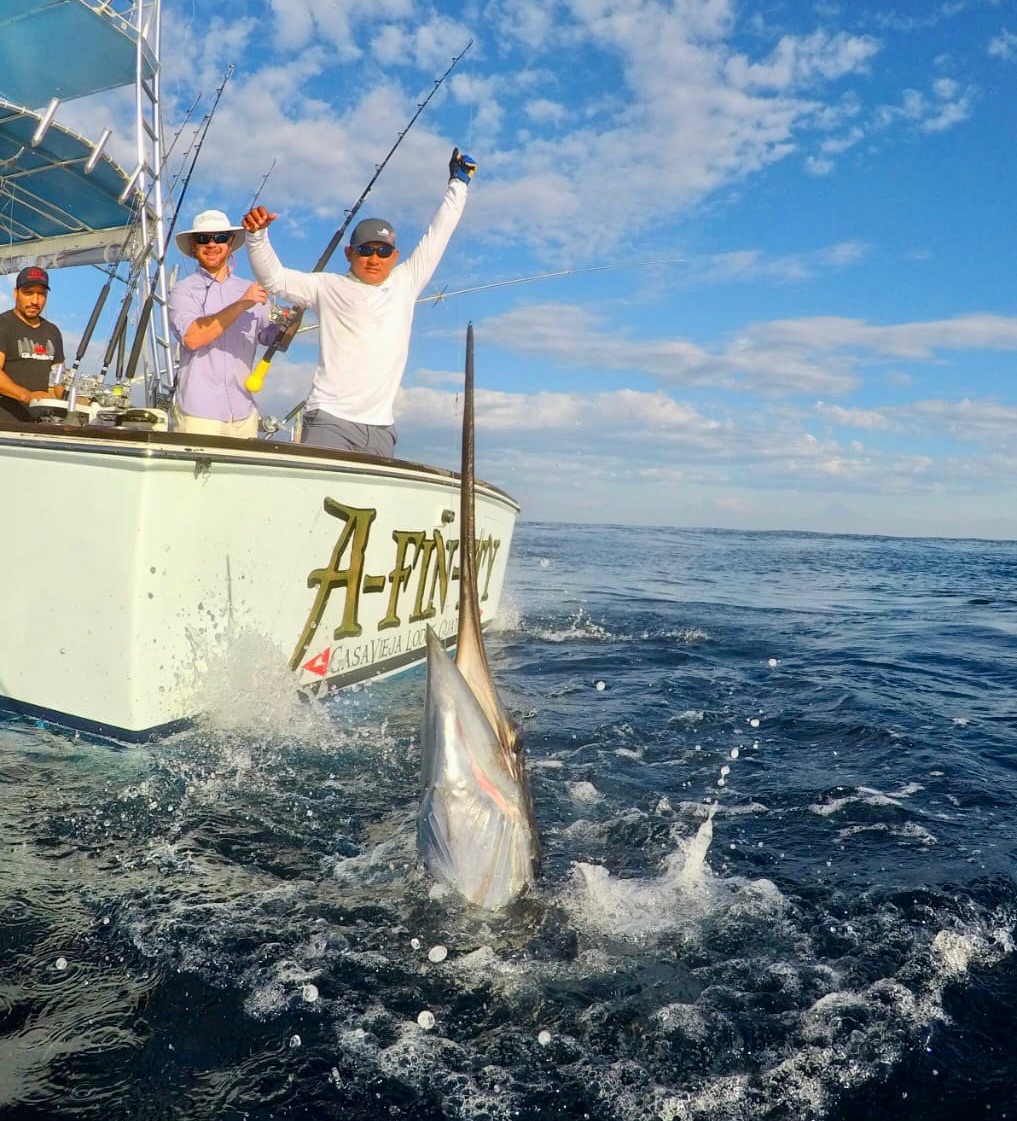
(279, 313)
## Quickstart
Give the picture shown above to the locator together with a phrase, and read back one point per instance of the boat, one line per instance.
(150, 560)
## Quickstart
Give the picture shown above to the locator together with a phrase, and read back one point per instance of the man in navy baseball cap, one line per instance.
(29, 347)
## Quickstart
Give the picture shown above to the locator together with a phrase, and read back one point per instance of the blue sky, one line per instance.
(803, 313)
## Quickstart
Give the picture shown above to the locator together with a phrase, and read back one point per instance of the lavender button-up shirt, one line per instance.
(210, 380)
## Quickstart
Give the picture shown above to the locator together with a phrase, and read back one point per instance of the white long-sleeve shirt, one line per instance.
(363, 329)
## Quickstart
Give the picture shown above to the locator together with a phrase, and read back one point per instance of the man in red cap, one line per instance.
(29, 347)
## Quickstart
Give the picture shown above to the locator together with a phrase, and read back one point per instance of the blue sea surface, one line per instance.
(775, 776)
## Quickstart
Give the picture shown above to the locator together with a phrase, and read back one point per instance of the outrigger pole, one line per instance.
(146, 310)
(444, 294)
(295, 315)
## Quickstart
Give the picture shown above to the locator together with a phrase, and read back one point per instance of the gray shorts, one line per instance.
(322, 430)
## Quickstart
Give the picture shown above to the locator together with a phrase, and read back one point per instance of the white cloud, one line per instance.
(871, 420)
(980, 421)
(799, 61)
(574, 336)
(903, 340)
(947, 106)
(1003, 45)
(751, 265)
(543, 111)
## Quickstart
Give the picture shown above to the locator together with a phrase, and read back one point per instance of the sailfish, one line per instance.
(475, 827)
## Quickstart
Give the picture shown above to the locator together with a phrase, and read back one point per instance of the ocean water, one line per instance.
(775, 776)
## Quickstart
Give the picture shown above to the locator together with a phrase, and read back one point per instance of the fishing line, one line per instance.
(472, 102)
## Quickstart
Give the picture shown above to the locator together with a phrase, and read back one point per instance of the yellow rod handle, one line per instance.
(256, 379)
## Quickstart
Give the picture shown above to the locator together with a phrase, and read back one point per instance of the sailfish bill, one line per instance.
(475, 825)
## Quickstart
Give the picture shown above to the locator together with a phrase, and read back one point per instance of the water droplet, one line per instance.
(309, 993)
(600, 686)
(415, 943)
(754, 722)
(544, 1038)
(772, 663)
(295, 1041)
(425, 1019)
(437, 953)
(544, 562)
(61, 963)
(734, 752)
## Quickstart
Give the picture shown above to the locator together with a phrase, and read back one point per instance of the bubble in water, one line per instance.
(544, 1038)
(600, 686)
(734, 752)
(414, 943)
(772, 663)
(309, 993)
(754, 722)
(295, 1041)
(61, 963)
(437, 953)
(544, 562)
(425, 1019)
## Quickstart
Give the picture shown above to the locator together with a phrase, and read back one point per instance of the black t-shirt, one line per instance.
(28, 354)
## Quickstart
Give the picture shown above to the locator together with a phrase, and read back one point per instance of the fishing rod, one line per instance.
(146, 310)
(294, 316)
(261, 186)
(115, 341)
(114, 268)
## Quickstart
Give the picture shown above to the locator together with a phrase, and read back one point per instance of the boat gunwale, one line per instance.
(224, 449)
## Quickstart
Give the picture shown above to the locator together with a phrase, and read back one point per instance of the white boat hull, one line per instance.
(134, 562)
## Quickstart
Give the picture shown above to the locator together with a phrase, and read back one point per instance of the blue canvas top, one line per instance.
(53, 212)
(65, 49)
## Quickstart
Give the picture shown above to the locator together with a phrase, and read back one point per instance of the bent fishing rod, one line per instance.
(294, 316)
(146, 310)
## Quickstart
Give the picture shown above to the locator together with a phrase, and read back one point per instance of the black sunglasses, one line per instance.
(219, 239)
(383, 251)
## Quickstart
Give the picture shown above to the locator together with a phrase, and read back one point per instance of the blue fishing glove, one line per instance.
(461, 167)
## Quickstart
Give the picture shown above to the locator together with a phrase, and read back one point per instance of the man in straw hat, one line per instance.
(219, 319)
(29, 347)
(364, 318)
